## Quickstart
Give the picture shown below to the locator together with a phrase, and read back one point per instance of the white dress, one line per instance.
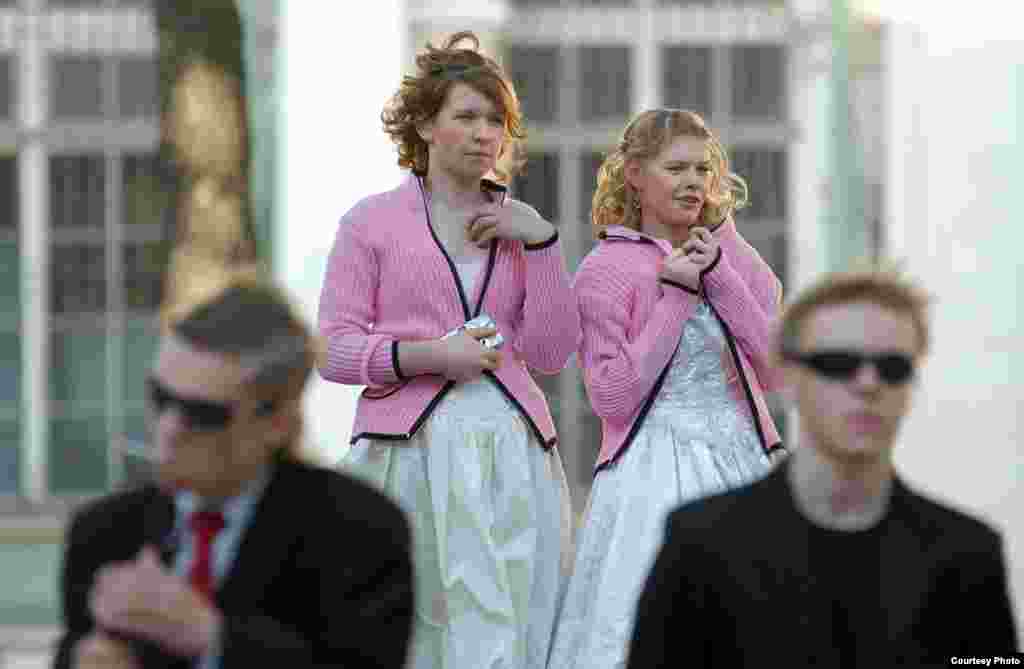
(491, 521)
(695, 441)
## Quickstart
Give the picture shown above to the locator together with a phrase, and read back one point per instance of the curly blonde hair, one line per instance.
(420, 97)
(643, 139)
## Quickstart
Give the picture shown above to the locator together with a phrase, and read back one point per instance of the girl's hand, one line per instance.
(701, 247)
(514, 221)
(681, 268)
(464, 358)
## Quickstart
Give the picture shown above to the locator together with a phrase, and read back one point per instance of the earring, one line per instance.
(636, 204)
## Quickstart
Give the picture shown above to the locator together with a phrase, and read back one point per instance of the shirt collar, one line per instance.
(234, 509)
(622, 232)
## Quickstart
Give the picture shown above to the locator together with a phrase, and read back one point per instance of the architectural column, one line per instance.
(33, 186)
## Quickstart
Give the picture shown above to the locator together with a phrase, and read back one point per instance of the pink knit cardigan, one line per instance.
(632, 322)
(390, 280)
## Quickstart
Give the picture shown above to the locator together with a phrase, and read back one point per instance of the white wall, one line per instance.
(340, 66)
(955, 213)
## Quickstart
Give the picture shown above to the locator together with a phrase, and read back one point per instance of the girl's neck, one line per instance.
(452, 193)
(674, 234)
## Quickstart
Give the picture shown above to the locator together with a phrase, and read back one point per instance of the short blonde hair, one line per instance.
(884, 285)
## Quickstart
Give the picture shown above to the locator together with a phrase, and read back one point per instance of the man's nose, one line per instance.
(169, 423)
(866, 378)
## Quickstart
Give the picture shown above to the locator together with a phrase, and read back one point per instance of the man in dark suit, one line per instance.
(239, 555)
(831, 560)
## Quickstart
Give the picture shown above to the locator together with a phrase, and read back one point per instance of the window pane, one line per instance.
(6, 86)
(144, 264)
(10, 286)
(590, 162)
(765, 173)
(537, 185)
(535, 74)
(78, 369)
(76, 87)
(10, 372)
(604, 82)
(78, 454)
(687, 78)
(140, 343)
(8, 198)
(10, 452)
(758, 81)
(137, 81)
(77, 191)
(79, 279)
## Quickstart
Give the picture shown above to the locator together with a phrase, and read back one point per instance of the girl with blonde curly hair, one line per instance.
(451, 423)
(676, 309)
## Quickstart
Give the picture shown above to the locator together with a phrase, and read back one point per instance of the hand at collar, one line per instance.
(142, 599)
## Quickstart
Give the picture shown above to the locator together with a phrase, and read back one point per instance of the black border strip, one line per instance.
(754, 413)
(405, 436)
(394, 361)
(637, 424)
(691, 291)
(542, 245)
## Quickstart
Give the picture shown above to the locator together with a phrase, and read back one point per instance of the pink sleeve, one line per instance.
(550, 328)
(619, 371)
(354, 355)
(750, 308)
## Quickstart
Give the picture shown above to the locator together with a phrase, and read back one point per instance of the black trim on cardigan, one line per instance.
(394, 360)
(405, 436)
(648, 403)
(713, 265)
(542, 245)
(670, 282)
(754, 413)
(546, 445)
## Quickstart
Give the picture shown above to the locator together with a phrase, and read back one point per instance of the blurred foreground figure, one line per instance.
(855, 570)
(239, 555)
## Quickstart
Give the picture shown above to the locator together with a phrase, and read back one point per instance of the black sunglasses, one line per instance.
(200, 415)
(197, 414)
(893, 368)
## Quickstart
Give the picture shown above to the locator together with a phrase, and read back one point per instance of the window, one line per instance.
(687, 78)
(535, 74)
(590, 163)
(537, 185)
(138, 81)
(758, 82)
(7, 84)
(10, 323)
(604, 82)
(765, 173)
(77, 87)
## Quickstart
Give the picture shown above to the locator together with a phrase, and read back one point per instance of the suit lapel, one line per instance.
(267, 541)
(158, 524)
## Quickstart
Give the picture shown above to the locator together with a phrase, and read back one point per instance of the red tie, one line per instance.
(205, 526)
